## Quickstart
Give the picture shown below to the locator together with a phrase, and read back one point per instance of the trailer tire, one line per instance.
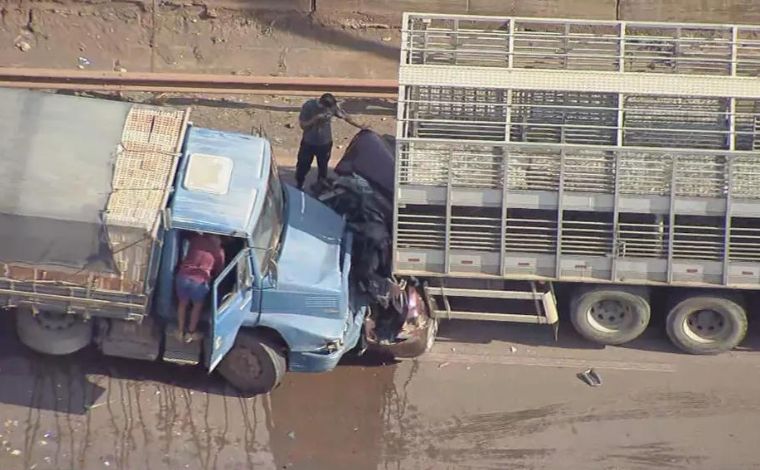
(56, 334)
(255, 364)
(706, 324)
(610, 316)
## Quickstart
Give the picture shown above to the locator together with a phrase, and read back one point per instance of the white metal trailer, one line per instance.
(618, 158)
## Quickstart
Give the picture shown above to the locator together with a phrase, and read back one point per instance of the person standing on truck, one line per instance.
(204, 261)
(315, 121)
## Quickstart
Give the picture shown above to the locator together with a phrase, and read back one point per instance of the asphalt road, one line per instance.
(489, 396)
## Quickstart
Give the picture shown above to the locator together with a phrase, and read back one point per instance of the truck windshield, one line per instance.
(266, 234)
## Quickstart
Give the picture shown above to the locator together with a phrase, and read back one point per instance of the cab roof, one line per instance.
(219, 181)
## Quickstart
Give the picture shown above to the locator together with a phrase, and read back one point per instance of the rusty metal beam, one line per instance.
(87, 80)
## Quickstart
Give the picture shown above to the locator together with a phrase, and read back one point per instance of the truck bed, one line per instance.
(83, 184)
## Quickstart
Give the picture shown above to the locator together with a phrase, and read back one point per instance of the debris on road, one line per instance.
(590, 377)
(443, 364)
(23, 46)
(512, 349)
(292, 435)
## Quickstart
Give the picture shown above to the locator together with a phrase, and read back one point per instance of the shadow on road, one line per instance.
(654, 338)
(363, 106)
(306, 27)
(74, 384)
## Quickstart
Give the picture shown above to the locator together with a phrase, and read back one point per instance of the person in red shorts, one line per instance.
(203, 262)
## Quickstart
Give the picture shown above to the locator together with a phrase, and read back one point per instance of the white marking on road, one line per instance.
(455, 358)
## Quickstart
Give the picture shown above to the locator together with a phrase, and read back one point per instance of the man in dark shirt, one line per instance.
(203, 262)
(317, 140)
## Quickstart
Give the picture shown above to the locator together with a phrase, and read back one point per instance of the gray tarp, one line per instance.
(56, 165)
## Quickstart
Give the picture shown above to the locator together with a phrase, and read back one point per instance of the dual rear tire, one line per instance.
(700, 323)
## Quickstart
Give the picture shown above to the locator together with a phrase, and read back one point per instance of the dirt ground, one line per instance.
(120, 36)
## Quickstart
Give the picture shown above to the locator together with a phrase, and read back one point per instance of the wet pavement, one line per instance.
(488, 396)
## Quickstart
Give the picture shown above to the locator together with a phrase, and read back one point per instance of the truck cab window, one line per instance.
(266, 234)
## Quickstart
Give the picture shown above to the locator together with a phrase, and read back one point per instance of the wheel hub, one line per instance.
(706, 325)
(246, 360)
(610, 315)
(55, 321)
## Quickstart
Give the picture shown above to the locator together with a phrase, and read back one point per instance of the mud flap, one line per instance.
(549, 303)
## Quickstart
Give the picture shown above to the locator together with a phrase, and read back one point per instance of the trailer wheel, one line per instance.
(610, 316)
(706, 324)
(53, 333)
(254, 365)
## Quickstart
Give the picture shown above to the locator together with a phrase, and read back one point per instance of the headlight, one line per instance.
(333, 346)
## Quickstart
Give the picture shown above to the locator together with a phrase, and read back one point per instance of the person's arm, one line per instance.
(314, 120)
(340, 114)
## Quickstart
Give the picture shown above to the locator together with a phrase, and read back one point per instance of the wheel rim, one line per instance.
(706, 326)
(54, 320)
(611, 316)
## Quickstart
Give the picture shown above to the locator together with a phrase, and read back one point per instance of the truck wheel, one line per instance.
(53, 333)
(610, 316)
(254, 365)
(706, 324)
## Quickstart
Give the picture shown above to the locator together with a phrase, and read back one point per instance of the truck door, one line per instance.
(233, 301)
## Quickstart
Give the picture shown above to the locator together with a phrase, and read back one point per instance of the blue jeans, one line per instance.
(190, 289)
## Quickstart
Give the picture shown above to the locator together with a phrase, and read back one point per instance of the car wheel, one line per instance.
(254, 365)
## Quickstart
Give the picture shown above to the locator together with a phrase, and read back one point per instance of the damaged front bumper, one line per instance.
(327, 358)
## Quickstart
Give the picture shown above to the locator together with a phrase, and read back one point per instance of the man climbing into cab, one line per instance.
(315, 121)
(202, 263)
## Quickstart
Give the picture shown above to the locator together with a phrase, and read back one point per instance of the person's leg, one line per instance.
(200, 292)
(183, 299)
(195, 316)
(323, 158)
(303, 165)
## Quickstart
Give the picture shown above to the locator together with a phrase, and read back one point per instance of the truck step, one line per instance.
(543, 311)
(179, 352)
(132, 339)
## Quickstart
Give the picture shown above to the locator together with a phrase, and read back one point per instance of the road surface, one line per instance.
(488, 396)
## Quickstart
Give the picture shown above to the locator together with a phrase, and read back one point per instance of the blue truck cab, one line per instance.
(97, 202)
(286, 283)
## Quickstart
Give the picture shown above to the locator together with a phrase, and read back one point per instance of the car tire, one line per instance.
(255, 364)
(610, 316)
(724, 325)
(56, 334)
